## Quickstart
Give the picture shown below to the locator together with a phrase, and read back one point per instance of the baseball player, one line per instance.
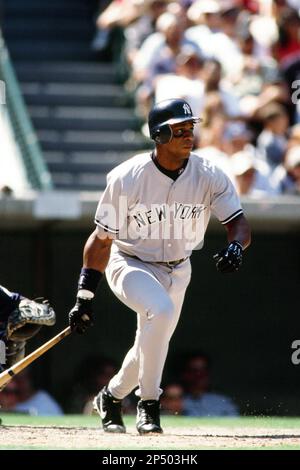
(20, 320)
(152, 214)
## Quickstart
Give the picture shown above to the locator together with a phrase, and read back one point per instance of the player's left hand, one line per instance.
(230, 258)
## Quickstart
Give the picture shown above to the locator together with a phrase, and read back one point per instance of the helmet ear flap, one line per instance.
(162, 134)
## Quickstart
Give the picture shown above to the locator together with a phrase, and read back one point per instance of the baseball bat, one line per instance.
(8, 374)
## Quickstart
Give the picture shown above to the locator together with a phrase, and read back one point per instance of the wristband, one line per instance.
(88, 282)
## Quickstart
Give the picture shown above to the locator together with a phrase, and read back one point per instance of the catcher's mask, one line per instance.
(164, 114)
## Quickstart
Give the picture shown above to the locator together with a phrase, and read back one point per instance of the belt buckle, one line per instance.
(169, 264)
(172, 264)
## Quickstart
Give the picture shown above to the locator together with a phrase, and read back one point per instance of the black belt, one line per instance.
(172, 264)
(169, 264)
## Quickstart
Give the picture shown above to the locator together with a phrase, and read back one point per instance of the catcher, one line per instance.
(20, 320)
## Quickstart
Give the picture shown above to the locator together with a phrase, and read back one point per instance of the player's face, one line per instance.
(183, 138)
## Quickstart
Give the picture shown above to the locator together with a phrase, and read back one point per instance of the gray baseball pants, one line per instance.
(156, 293)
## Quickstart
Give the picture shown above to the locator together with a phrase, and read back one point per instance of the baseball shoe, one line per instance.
(148, 419)
(110, 411)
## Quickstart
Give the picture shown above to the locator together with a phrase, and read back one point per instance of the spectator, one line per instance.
(198, 399)
(94, 373)
(117, 13)
(251, 175)
(21, 396)
(272, 141)
(236, 137)
(259, 70)
(172, 399)
(214, 107)
(163, 62)
(224, 44)
(205, 16)
(185, 83)
(286, 178)
(288, 44)
(294, 136)
(211, 75)
(158, 53)
(137, 32)
(210, 145)
(277, 8)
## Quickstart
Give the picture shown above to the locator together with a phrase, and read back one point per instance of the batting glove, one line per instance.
(81, 315)
(230, 258)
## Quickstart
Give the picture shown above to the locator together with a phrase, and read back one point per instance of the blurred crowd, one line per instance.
(21, 395)
(188, 393)
(237, 63)
(191, 392)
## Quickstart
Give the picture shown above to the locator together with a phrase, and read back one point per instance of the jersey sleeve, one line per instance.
(111, 212)
(225, 203)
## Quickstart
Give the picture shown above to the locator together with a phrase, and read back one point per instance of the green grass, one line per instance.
(167, 421)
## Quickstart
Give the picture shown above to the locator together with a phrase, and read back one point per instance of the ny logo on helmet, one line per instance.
(187, 109)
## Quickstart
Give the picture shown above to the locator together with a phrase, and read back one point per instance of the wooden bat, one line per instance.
(8, 374)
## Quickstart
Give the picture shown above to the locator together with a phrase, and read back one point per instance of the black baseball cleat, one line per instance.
(110, 411)
(148, 419)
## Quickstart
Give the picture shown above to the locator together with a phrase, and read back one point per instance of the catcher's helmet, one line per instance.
(165, 113)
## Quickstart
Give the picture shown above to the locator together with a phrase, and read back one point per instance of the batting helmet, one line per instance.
(165, 113)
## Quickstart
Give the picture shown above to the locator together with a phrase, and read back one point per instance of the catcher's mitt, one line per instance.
(28, 318)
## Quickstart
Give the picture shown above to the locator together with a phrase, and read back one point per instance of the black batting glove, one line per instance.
(81, 315)
(230, 258)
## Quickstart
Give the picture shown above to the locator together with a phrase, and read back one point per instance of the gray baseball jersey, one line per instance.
(154, 219)
(157, 219)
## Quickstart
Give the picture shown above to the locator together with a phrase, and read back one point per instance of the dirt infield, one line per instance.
(58, 437)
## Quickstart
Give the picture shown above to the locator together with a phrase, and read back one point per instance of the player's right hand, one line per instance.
(81, 315)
